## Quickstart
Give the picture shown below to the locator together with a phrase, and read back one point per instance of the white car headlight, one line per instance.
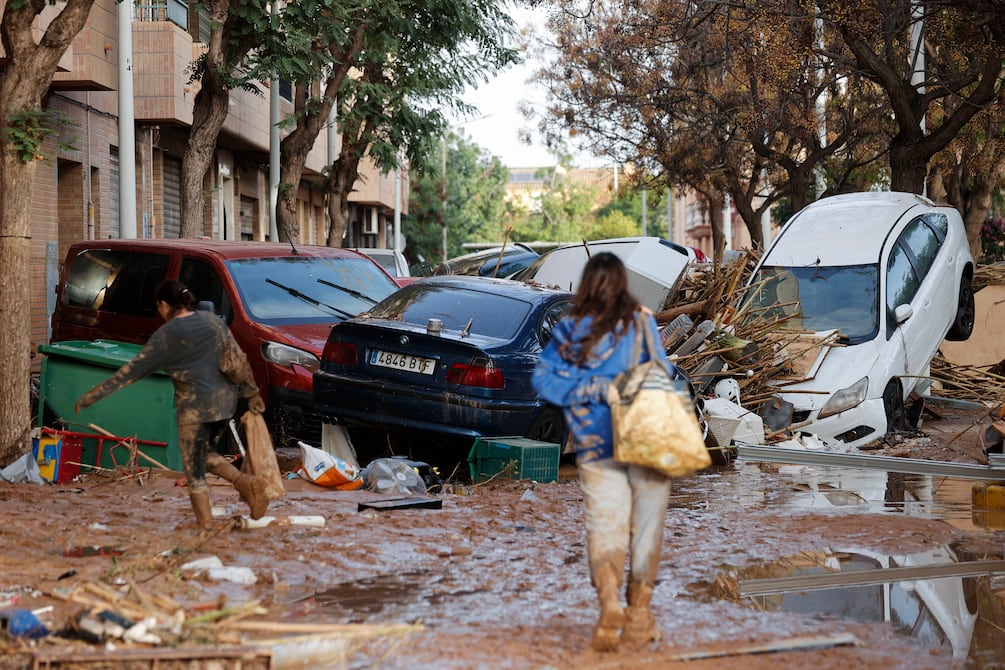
(845, 398)
(282, 354)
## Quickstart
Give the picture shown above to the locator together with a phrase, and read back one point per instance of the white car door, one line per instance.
(914, 278)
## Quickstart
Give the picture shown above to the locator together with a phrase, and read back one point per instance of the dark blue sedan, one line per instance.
(448, 357)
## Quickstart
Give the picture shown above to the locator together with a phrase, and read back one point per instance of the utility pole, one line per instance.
(443, 222)
(127, 125)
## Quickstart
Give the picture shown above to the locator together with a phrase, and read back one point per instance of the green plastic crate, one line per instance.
(514, 458)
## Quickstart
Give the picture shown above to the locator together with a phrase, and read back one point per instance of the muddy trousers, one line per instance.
(194, 440)
(625, 511)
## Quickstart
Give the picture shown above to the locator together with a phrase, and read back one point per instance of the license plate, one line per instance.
(389, 359)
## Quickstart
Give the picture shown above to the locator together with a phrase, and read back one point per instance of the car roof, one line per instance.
(514, 248)
(226, 249)
(848, 229)
(516, 289)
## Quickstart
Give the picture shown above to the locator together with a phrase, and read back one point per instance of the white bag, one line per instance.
(326, 470)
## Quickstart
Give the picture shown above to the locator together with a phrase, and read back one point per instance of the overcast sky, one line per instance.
(497, 125)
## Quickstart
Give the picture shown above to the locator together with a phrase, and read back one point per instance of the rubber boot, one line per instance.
(640, 625)
(607, 581)
(202, 506)
(252, 489)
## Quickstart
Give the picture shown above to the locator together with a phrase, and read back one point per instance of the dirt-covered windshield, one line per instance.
(818, 298)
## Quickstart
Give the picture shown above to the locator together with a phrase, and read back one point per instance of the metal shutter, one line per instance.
(172, 197)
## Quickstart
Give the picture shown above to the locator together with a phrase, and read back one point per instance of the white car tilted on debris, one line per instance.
(891, 274)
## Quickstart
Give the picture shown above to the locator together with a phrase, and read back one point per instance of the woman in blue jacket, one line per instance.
(625, 505)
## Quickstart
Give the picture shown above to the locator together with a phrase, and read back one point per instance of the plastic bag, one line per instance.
(261, 458)
(326, 470)
(393, 476)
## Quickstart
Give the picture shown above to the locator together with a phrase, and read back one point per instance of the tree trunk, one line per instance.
(716, 200)
(31, 64)
(15, 335)
(908, 168)
(340, 184)
(209, 111)
(293, 151)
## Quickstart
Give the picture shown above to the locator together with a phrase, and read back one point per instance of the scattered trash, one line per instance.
(93, 550)
(401, 503)
(24, 469)
(22, 623)
(528, 496)
(326, 470)
(393, 475)
(315, 520)
(214, 569)
(738, 424)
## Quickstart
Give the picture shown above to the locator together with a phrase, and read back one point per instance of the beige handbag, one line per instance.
(653, 419)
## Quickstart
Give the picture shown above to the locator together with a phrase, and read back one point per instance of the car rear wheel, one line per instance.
(549, 426)
(893, 405)
(963, 324)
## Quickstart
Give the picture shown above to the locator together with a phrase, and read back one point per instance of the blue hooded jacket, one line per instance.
(581, 390)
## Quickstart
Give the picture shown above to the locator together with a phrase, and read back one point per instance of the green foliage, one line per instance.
(29, 129)
(613, 224)
(993, 240)
(475, 191)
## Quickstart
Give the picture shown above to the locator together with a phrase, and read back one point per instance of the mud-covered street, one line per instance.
(497, 578)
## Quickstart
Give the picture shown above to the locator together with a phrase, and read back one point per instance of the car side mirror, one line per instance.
(902, 313)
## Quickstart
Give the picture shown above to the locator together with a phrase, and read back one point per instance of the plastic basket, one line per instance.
(514, 458)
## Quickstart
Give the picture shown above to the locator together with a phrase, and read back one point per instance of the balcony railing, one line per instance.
(177, 12)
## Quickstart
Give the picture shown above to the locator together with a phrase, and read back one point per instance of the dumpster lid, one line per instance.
(104, 352)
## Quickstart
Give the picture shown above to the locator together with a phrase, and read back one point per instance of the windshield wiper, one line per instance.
(353, 293)
(308, 299)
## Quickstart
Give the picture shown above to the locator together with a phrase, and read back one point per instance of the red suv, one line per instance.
(280, 301)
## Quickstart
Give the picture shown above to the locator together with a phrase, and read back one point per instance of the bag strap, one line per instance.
(637, 343)
(644, 331)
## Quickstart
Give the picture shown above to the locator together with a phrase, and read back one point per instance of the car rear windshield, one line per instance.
(818, 298)
(308, 288)
(490, 314)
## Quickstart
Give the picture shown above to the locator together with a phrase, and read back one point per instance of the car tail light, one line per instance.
(340, 353)
(480, 372)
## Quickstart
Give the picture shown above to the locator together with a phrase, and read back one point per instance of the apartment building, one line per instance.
(76, 191)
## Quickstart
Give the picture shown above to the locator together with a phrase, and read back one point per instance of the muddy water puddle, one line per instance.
(746, 486)
(939, 597)
(401, 596)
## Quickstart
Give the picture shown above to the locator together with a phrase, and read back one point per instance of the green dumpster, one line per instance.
(144, 410)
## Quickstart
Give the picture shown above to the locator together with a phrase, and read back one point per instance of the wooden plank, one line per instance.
(402, 503)
(806, 643)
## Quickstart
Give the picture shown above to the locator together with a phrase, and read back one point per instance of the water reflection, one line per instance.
(957, 606)
(746, 485)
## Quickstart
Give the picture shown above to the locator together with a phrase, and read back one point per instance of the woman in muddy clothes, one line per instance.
(625, 505)
(192, 347)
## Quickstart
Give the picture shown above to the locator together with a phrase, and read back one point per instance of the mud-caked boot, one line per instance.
(607, 581)
(202, 506)
(640, 625)
(252, 489)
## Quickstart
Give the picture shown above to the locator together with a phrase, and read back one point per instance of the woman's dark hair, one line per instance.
(603, 295)
(175, 294)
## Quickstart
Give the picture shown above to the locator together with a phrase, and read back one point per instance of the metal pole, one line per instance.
(127, 125)
(274, 147)
(727, 221)
(444, 211)
(397, 210)
(918, 57)
(645, 222)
